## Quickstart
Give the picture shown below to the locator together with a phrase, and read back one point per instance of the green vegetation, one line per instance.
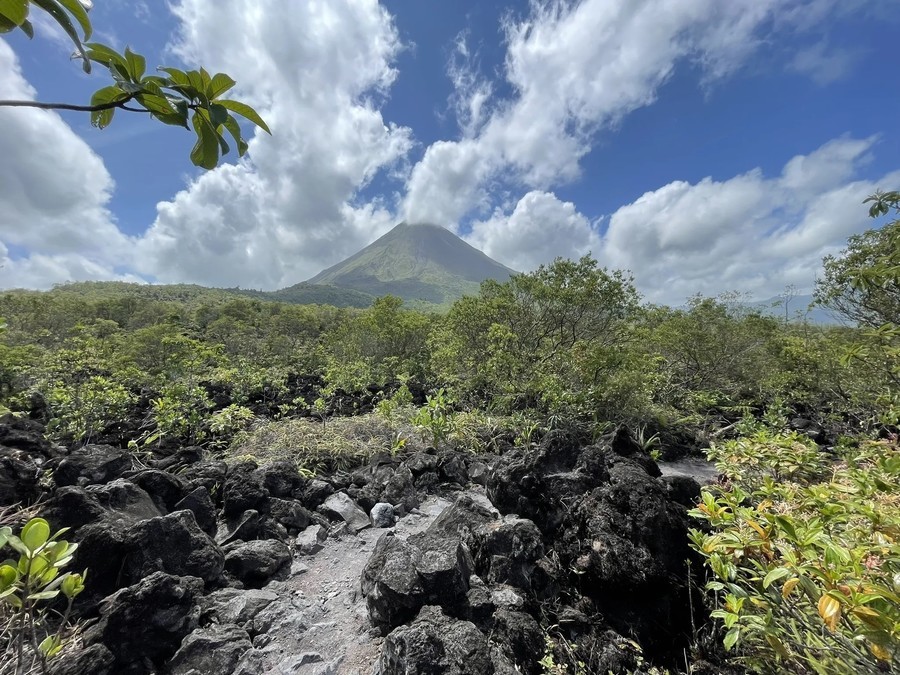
(801, 544)
(31, 631)
(176, 97)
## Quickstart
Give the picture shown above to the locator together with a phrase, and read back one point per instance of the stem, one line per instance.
(69, 106)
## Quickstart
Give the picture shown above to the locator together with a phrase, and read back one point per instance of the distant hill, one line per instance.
(423, 264)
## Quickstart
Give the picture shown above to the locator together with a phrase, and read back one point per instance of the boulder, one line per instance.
(508, 550)
(289, 513)
(340, 506)
(201, 505)
(174, 544)
(391, 584)
(208, 474)
(26, 435)
(243, 490)
(243, 527)
(281, 479)
(214, 649)
(92, 464)
(18, 478)
(435, 644)
(315, 492)
(237, 606)
(93, 660)
(310, 540)
(382, 515)
(520, 638)
(255, 562)
(164, 488)
(144, 624)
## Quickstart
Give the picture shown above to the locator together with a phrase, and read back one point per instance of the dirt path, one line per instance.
(319, 625)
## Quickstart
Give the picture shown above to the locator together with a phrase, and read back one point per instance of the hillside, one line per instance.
(420, 263)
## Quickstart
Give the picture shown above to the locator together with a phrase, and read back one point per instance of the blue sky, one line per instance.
(706, 146)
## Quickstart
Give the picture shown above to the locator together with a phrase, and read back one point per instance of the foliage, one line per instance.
(435, 419)
(806, 556)
(190, 99)
(28, 585)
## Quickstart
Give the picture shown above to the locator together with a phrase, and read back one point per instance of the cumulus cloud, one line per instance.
(576, 68)
(823, 64)
(316, 74)
(54, 190)
(750, 233)
(539, 229)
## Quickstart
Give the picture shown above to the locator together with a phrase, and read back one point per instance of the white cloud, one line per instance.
(54, 192)
(575, 68)
(822, 63)
(750, 233)
(539, 229)
(315, 74)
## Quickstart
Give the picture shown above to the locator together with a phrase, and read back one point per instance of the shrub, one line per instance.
(27, 586)
(806, 572)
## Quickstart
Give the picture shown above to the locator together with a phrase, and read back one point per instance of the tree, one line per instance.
(176, 97)
(862, 284)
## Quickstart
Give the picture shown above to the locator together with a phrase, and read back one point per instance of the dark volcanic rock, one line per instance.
(164, 488)
(244, 489)
(94, 660)
(21, 433)
(174, 544)
(18, 478)
(210, 475)
(215, 649)
(382, 515)
(289, 513)
(144, 624)
(201, 505)
(391, 583)
(254, 562)
(92, 464)
(281, 479)
(315, 492)
(436, 644)
(520, 638)
(340, 506)
(508, 550)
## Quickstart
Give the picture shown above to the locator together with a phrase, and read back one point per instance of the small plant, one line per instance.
(27, 586)
(435, 419)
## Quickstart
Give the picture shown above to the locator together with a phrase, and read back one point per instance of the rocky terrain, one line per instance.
(433, 562)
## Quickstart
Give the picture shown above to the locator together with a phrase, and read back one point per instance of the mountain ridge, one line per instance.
(419, 262)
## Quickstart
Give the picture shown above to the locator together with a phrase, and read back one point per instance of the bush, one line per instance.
(805, 555)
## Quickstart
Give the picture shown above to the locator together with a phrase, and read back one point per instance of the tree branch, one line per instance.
(69, 106)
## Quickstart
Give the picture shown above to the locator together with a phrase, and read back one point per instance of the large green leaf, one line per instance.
(59, 14)
(15, 11)
(110, 94)
(35, 533)
(136, 64)
(78, 11)
(245, 110)
(235, 129)
(219, 84)
(102, 54)
(205, 152)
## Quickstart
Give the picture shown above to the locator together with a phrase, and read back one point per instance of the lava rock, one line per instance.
(683, 490)
(435, 643)
(382, 515)
(210, 475)
(237, 606)
(315, 492)
(520, 638)
(21, 433)
(244, 527)
(214, 649)
(243, 489)
(201, 505)
(391, 584)
(310, 540)
(255, 562)
(174, 544)
(289, 513)
(341, 506)
(143, 625)
(281, 479)
(508, 551)
(93, 660)
(18, 478)
(164, 488)
(92, 464)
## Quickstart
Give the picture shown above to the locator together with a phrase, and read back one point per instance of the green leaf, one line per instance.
(102, 54)
(43, 595)
(219, 84)
(80, 14)
(775, 575)
(35, 533)
(731, 638)
(136, 64)
(235, 129)
(109, 94)
(176, 76)
(7, 25)
(15, 11)
(245, 110)
(54, 9)
(217, 115)
(205, 152)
